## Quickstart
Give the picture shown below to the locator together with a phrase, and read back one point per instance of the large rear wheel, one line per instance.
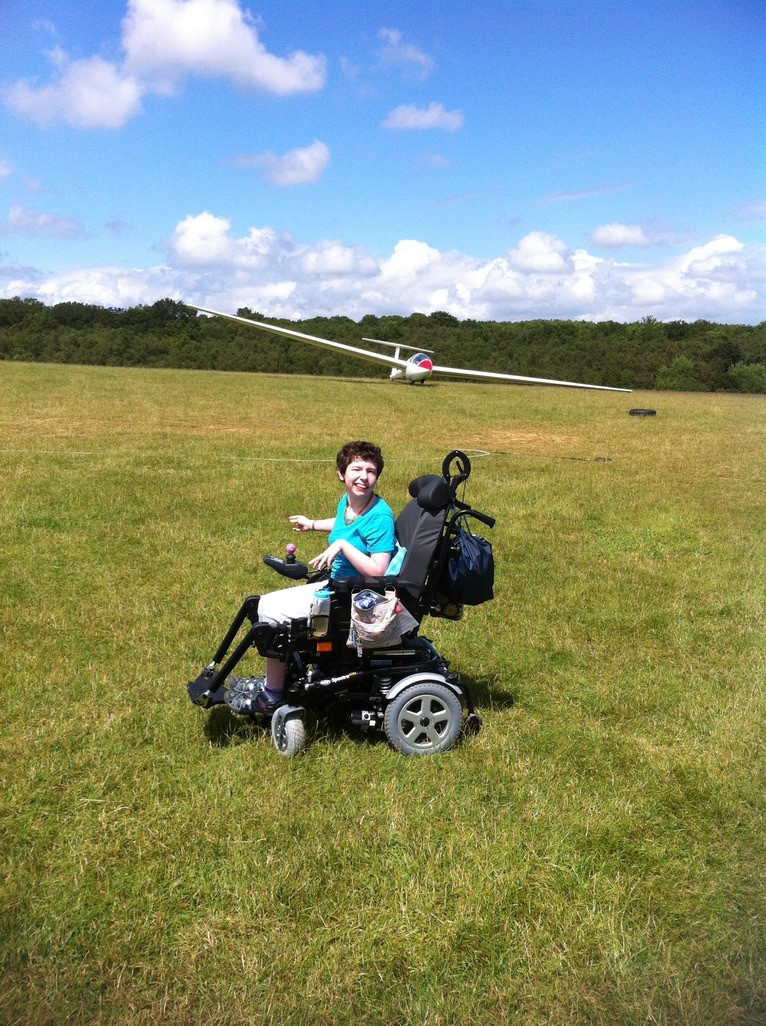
(424, 719)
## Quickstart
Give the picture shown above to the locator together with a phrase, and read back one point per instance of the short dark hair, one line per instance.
(359, 451)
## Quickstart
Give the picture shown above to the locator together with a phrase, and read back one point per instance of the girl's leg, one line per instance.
(276, 672)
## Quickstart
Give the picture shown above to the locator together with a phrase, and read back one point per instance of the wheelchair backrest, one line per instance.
(419, 529)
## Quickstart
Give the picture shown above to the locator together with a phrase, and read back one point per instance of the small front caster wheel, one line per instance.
(288, 735)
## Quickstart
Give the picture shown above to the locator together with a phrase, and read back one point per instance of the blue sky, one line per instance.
(589, 159)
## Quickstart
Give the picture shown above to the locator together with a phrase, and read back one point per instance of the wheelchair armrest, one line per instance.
(295, 571)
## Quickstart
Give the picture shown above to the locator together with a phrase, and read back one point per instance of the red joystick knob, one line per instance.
(290, 552)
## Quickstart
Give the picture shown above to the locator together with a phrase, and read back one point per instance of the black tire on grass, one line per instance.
(425, 719)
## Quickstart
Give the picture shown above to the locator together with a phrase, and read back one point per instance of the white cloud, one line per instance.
(89, 93)
(206, 242)
(720, 251)
(301, 166)
(614, 236)
(333, 259)
(395, 52)
(721, 281)
(409, 117)
(202, 241)
(539, 252)
(27, 221)
(109, 286)
(165, 41)
(268, 270)
(640, 236)
(409, 259)
(6, 169)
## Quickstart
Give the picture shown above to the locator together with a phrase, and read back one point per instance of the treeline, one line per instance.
(649, 354)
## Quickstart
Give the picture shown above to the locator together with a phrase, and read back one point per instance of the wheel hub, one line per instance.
(424, 718)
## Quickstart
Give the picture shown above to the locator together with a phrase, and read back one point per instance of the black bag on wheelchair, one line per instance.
(469, 576)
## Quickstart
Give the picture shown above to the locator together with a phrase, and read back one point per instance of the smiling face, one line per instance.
(359, 478)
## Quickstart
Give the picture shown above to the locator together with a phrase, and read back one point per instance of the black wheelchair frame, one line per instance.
(406, 690)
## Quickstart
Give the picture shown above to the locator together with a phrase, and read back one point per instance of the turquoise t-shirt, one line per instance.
(372, 532)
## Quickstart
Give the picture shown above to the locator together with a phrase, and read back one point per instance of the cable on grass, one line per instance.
(577, 459)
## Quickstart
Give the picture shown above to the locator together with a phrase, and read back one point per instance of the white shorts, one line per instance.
(287, 603)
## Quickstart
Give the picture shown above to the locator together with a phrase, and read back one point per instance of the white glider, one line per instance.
(415, 369)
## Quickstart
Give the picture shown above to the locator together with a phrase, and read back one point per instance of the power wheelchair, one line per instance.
(406, 689)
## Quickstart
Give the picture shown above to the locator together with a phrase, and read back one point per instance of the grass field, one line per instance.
(596, 855)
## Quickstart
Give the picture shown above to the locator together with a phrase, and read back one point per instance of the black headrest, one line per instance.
(431, 491)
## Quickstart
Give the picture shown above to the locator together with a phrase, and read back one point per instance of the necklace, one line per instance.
(350, 519)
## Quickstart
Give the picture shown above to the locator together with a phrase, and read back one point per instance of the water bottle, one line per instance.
(320, 612)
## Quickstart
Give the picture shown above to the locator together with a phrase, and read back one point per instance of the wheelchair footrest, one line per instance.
(200, 691)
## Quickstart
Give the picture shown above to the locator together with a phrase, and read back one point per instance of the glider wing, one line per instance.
(338, 347)
(519, 379)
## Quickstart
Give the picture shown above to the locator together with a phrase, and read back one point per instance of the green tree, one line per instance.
(679, 377)
(748, 377)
